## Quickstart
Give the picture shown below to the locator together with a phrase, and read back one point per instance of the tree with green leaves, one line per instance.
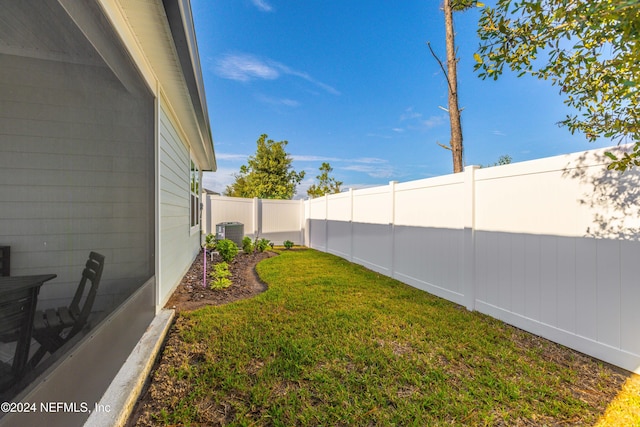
(590, 49)
(505, 159)
(451, 74)
(268, 174)
(325, 184)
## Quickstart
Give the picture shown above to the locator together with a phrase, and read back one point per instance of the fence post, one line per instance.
(392, 226)
(326, 223)
(302, 223)
(351, 224)
(256, 217)
(469, 246)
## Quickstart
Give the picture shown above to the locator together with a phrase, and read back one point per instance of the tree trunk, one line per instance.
(452, 78)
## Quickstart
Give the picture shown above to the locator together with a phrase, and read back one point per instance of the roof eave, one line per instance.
(183, 33)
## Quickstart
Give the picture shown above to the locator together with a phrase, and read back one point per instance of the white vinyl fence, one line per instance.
(276, 220)
(550, 246)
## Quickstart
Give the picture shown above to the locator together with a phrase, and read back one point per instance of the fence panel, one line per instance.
(550, 246)
(317, 208)
(372, 246)
(281, 215)
(339, 235)
(231, 209)
(430, 259)
(548, 242)
(339, 207)
(371, 205)
(281, 220)
(433, 202)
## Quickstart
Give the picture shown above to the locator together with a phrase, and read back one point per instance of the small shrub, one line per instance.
(220, 276)
(288, 244)
(247, 245)
(210, 241)
(227, 250)
(261, 245)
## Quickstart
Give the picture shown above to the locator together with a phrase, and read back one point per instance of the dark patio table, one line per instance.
(17, 283)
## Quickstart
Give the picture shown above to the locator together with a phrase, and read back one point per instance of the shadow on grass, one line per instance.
(332, 343)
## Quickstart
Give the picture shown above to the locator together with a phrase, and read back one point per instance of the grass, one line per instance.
(332, 343)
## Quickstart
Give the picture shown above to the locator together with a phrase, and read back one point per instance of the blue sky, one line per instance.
(352, 83)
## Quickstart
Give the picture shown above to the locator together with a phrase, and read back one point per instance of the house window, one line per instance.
(195, 195)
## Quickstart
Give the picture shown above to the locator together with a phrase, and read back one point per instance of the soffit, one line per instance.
(43, 30)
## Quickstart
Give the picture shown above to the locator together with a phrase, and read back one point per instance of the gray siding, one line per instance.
(178, 246)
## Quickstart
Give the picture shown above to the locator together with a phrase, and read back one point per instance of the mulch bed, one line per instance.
(191, 294)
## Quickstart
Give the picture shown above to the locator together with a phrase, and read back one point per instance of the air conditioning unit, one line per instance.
(233, 231)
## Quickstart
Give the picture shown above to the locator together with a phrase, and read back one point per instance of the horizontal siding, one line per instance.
(76, 174)
(177, 245)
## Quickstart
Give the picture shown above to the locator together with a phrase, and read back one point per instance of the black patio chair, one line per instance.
(17, 307)
(52, 328)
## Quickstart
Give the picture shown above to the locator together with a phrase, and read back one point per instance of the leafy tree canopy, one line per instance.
(325, 184)
(590, 49)
(268, 173)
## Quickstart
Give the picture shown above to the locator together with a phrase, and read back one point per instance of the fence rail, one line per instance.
(549, 246)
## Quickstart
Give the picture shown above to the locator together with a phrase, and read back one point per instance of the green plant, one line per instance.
(326, 184)
(261, 245)
(596, 69)
(227, 249)
(288, 244)
(210, 241)
(220, 276)
(247, 245)
(268, 174)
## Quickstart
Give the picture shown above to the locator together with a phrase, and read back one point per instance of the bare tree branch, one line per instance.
(444, 70)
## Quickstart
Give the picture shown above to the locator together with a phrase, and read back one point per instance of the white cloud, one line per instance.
(416, 120)
(231, 156)
(433, 121)
(310, 79)
(374, 171)
(245, 67)
(361, 160)
(278, 101)
(219, 180)
(305, 76)
(377, 135)
(372, 166)
(499, 133)
(370, 160)
(289, 102)
(262, 5)
(307, 158)
(409, 114)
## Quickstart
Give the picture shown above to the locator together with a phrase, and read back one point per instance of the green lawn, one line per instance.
(331, 343)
